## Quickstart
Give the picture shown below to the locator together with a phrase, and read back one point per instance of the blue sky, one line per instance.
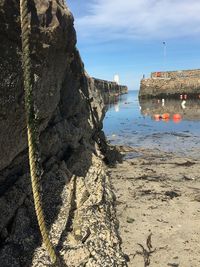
(126, 37)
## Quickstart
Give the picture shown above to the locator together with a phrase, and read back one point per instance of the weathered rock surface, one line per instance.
(109, 89)
(177, 74)
(77, 197)
(162, 84)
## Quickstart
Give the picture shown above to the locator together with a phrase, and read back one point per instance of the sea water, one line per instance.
(133, 123)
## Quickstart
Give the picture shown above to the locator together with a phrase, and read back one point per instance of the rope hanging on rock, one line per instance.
(33, 136)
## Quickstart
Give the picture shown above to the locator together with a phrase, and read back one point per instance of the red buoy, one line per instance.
(177, 118)
(165, 116)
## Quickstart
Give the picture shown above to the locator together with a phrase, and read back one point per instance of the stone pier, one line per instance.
(109, 89)
(170, 84)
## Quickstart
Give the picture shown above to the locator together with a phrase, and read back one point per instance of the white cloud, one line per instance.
(154, 19)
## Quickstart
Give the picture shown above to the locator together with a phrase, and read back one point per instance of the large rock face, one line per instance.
(77, 197)
(60, 83)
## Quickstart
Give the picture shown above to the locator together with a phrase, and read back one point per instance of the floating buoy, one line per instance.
(181, 97)
(177, 118)
(157, 117)
(165, 116)
(185, 97)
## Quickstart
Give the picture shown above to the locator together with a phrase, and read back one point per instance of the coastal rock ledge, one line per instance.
(77, 196)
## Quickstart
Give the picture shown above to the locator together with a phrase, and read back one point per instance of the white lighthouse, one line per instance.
(116, 78)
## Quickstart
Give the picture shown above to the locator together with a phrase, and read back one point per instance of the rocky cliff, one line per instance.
(77, 195)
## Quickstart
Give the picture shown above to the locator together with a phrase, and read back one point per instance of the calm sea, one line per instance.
(134, 123)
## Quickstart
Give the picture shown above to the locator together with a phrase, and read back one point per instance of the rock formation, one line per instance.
(77, 195)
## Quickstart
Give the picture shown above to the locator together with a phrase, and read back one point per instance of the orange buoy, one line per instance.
(165, 116)
(177, 118)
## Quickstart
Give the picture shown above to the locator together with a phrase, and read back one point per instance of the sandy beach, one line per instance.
(158, 207)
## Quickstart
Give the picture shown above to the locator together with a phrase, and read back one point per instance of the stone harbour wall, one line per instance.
(171, 84)
(109, 89)
(176, 74)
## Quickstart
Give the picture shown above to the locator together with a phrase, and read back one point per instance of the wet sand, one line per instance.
(158, 207)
